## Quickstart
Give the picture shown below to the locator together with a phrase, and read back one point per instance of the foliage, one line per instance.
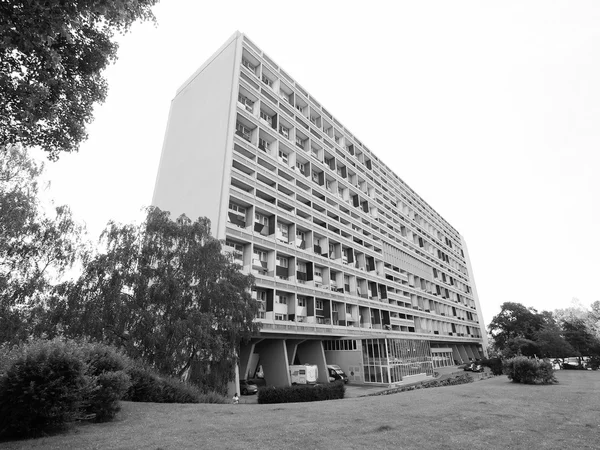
(148, 386)
(519, 346)
(515, 321)
(45, 384)
(107, 365)
(552, 344)
(43, 389)
(495, 365)
(521, 369)
(301, 393)
(35, 249)
(163, 291)
(52, 54)
(104, 403)
(580, 337)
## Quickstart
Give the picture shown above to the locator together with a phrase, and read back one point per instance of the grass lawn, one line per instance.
(488, 414)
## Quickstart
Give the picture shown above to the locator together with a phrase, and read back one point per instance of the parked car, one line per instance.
(474, 367)
(336, 373)
(247, 387)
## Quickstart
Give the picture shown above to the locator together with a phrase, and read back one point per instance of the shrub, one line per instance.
(301, 393)
(495, 365)
(212, 397)
(104, 403)
(43, 388)
(107, 365)
(452, 381)
(521, 369)
(147, 386)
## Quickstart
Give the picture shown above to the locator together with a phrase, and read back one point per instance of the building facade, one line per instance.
(352, 267)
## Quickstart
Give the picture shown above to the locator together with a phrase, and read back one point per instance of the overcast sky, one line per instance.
(489, 111)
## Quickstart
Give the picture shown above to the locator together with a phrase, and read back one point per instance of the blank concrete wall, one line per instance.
(195, 165)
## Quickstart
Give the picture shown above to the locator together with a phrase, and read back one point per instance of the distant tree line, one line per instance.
(564, 333)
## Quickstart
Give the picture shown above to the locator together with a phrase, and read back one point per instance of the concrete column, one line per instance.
(469, 350)
(274, 361)
(463, 353)
(311, 352)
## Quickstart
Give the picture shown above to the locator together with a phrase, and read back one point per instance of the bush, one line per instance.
(147, 386)
(104, 402)
(521, 369)
(495, 365)
(452, 381)
(212, 397)
(301, 393)
(107, 365)
(43, 388)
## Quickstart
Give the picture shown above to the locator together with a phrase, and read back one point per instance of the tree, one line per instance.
(552, 344)
(578, 335)
(35, 248)
(515, 321)
(165, 292)
(52, 54)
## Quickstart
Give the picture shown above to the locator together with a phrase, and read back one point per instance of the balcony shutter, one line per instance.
(355, 200)
(271, 225)
(274, 121)
(309, 271)
(269, 300)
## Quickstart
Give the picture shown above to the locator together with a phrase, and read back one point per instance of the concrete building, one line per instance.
(352, 267)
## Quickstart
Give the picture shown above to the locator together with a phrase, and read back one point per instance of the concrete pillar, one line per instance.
(469, 350)
(456, 354)
(311, 352)
(292, 346)
(274, 361)
(246, 357)
(463, 353)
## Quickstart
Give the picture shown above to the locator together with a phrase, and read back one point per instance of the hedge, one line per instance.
(301, 393)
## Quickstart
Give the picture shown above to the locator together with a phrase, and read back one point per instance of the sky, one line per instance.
(490, 111)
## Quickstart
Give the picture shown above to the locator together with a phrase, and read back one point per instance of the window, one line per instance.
(282, 230)
(249, 104)
(259, 218)
(315, 175)
(281, 299)
(318, 273)
(261, 296)
(319, 304)
(283, 157)
(262, 144)
(237, 247)
(281, 317)
(300, 167)
(243, 131)
(266, 80)
(260, 255)
(248, 65)
(299, 142)
(340, 192)
(285, 132)
(282, 261)
(302, 302)
(237, 208)
(328, 185)
(264, 116)
(300, 235)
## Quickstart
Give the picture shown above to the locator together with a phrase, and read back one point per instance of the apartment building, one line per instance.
(352, 267)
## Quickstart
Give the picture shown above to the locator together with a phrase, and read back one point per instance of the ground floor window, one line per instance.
(389, 360)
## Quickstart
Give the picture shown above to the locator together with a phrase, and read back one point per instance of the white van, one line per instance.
(304, 374)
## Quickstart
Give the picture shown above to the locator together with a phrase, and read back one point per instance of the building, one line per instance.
(352, 267)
